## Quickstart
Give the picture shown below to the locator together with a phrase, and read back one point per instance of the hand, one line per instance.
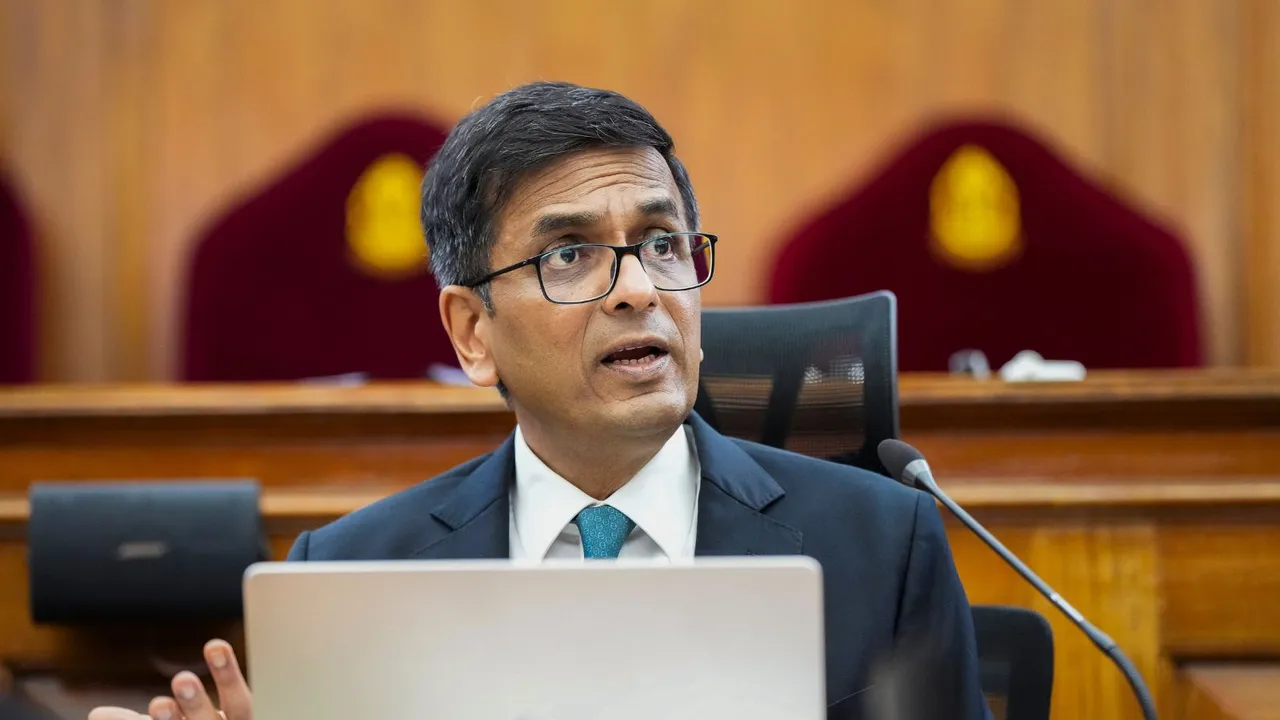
(190, 701)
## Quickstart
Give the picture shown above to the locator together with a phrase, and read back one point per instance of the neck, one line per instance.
(596, 466)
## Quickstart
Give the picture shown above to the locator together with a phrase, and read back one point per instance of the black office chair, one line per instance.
(150, 551)
(1015, 647)
(14, 708)
(819, 378)
(822, 379)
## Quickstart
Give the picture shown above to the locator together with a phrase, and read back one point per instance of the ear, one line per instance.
(469, 326)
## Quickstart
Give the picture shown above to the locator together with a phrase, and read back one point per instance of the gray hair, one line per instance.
(518, 132)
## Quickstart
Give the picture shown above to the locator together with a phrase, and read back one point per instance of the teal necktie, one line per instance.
(604, 529)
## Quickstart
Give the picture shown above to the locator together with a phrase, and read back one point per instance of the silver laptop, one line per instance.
(738, 638)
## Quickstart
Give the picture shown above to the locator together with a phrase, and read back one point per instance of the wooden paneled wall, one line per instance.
(129, 121)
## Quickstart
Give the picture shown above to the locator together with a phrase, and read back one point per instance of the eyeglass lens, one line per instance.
(578, 273)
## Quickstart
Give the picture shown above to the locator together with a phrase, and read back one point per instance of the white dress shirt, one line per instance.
(661, 499)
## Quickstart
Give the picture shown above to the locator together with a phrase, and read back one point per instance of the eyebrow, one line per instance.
(555, 222)
(659, 206)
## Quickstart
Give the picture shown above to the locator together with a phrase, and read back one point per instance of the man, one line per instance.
(563, 231)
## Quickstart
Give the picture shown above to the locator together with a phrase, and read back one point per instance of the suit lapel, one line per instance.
(485, 536)
(732, 505)
(727, 527)
(476, 517)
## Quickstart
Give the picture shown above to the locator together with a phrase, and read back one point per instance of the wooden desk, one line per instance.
(1150, 500)
(1169, 425)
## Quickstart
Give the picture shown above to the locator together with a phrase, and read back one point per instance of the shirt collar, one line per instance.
(661, 499)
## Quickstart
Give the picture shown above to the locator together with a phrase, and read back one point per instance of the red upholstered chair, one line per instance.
(17, 290)
(323, 271)
(992, 242)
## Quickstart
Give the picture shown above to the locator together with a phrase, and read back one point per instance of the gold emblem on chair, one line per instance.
(384, 232)
(974, 212)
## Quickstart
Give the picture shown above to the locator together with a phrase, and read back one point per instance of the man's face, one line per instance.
(576, 367)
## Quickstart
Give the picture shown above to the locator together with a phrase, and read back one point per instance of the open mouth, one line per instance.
(638, 355)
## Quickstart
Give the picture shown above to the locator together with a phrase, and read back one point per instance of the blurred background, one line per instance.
(205, 191)
(128, 127)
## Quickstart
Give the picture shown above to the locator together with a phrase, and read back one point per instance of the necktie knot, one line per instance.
(604, 529)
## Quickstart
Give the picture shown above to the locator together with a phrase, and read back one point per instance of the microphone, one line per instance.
(908, 466)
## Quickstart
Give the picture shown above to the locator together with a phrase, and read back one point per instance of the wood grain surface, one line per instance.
(1150, 500)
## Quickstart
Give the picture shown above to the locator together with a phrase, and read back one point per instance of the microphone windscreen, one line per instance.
(896, 455)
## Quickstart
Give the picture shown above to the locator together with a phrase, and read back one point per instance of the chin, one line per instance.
(650, 413)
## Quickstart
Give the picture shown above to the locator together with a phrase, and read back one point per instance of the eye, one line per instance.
(661, 247)
(564, 257)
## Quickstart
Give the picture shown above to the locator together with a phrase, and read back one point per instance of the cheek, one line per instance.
(687, 317)
(540, 336)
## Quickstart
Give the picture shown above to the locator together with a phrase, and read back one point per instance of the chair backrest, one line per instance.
(992, 241)
(1015, 650)
(110, 552)
(816, 378)
(310, 274)
(17, 289)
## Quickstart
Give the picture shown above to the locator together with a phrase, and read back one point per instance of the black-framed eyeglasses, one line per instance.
(573, 274)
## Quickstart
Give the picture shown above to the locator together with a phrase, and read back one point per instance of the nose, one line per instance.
(633, 290)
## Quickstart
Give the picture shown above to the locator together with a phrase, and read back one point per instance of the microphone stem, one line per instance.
(1099, 638)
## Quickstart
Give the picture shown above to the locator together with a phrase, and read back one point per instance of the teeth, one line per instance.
(635, 361)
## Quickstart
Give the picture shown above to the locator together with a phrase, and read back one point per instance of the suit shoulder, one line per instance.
(816, 480)
(387, 527)
(859, 524)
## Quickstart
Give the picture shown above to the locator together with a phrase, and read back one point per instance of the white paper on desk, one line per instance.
(447, 375)
(351, 379)
(1030, 366)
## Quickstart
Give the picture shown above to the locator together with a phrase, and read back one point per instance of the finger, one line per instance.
(164, 708)
(233, 692)
(193, 701)
(114, 713)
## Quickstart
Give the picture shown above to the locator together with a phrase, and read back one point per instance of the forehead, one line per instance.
(605, 181)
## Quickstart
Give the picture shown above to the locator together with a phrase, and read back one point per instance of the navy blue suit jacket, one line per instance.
(891, 588)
